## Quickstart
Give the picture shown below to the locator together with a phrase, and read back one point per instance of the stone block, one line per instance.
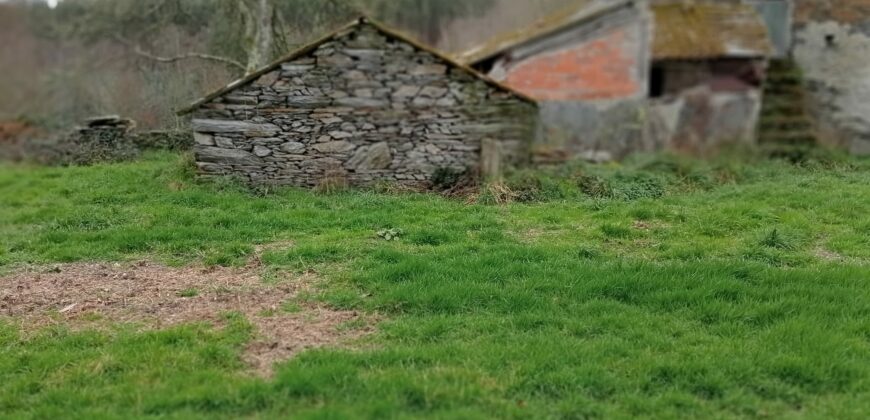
(340, 146)
(240, 99)
(364, 54)
(203, 139)
(267, 79)
(262, 151)
(375, 157)
(339, 135)
(308, 101)
(231, 126)
(224, 142)
(293, 69)
(362, 102)
(332, 120)
(434, 92)
(226, 156)
(407, 91)
(292, 147)
(422, 102)
(334, 60)
(355, 75)
(322, 164)
(429, 70)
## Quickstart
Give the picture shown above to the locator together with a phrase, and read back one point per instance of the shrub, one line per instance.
(448, 178)
(595, 187)
(88, 146)
(638, 186)
(496, 193)
(527, 187)
(163, 140)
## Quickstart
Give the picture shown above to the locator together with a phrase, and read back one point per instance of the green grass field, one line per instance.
(659, 289)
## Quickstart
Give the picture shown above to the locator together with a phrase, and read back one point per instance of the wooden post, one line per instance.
(490, 159)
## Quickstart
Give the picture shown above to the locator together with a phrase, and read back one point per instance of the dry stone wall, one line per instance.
(363, 107)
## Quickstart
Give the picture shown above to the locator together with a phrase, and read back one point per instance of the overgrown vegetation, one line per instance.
(659, 288)
(95, 146)
(646, 177)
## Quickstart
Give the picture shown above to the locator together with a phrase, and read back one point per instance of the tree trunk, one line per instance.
(260, 28)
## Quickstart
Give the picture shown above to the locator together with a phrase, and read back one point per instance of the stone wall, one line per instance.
(832, 47)
(596, 132)
(360, 108)
(706, 105)
(701, 121)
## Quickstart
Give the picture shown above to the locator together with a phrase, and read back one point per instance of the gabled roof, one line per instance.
(709, 30)
(581, 12)
(301, 52)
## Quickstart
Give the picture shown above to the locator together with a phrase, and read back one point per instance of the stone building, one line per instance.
(588, 68)
(708, 68)
(832, 48)
(361, 105)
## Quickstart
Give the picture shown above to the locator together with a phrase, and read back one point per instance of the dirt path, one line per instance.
(156, 296)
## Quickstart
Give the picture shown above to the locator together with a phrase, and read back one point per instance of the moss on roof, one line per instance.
(308, 48)
(581, 12)
(706, 30)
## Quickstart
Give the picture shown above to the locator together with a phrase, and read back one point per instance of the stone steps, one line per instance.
(801, 138)
(780, 123)
(774, 106)
(785, 128)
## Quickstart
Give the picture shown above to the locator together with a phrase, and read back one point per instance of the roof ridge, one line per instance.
(543, 27)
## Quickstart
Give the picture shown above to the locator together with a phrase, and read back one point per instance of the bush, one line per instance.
(638, 186)
(447, 178)
(595, 187)
(527, 187)
(163, 140)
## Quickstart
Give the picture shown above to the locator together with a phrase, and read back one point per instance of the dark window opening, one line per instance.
(657, 82)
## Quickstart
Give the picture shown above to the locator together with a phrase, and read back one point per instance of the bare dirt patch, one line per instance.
(826, 255)
(156, 296)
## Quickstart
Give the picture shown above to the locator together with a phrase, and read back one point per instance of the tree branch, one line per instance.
(199, 56)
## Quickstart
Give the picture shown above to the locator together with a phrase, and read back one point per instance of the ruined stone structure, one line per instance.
(709, 63)
(821, 70)
(832, 47)
(362, 105)
(619, 77)
(588, 68)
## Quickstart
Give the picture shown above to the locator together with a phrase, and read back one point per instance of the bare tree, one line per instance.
(261, 28)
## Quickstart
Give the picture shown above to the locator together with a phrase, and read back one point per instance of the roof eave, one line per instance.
(754, 56)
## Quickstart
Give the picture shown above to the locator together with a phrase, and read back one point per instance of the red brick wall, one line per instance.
(604, 68)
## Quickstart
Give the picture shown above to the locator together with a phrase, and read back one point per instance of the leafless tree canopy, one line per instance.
(146, 58)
